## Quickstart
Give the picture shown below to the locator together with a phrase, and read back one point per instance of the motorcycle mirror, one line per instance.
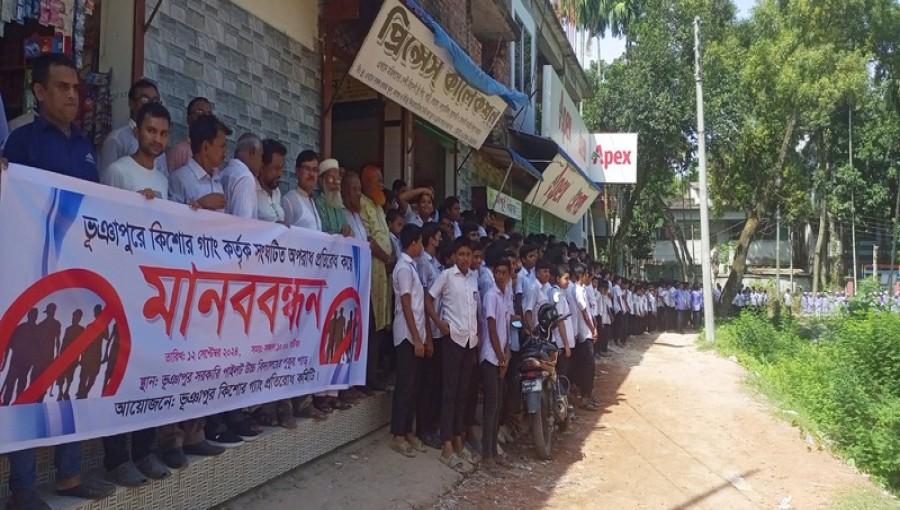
(555, 296)
(516, 324)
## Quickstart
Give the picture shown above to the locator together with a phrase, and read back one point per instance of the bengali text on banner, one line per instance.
(122, 313)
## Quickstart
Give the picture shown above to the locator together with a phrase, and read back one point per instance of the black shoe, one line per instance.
(224, 439)
(175, 458)
(26, 500)
(90, 488)
(203, 449)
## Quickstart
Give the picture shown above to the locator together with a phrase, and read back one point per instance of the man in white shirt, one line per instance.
(178, 155)
(583, 354)
(299, 207)
(121, 141)
(198, 183)
(411, 336)
(268, 194)
(351, 191)
(494, 356)
(135, 172)
(428, 416)
(457, 290)
(239, 177)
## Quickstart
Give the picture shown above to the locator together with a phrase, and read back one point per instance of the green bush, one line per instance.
(841, 375)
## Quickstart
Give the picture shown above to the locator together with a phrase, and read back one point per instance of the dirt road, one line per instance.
(678, 430)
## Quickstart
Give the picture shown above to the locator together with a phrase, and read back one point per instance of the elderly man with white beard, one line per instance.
(329, 202)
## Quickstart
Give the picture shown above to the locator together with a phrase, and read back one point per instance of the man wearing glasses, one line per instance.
(299, 206)
(121, 142)
(180, 153)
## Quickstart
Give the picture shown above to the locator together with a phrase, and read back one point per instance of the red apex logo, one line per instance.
(611, 157)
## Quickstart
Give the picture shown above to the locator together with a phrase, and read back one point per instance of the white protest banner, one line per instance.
(400, 60)
(564, 192)
(561, 120)
(123, 313)
(614, 158)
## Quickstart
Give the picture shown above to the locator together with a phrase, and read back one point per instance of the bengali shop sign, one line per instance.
(564, 191)
(400, 60)
(561, 120)
(504, 204)
(122, 313)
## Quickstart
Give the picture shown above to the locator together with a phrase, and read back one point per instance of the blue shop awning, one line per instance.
(541, 151)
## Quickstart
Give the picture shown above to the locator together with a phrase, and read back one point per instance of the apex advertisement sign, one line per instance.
(564, 192)
(614, 158)
(561, 121)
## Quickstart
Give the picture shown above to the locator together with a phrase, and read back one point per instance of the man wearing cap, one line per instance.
(328, 200)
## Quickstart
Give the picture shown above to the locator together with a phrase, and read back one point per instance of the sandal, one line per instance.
(340, 404)
(311, 412)
(403, 449)
(470, 457)
(455, 463)
(263, 417)
(417, 444)
(501, 461)
(591, 406)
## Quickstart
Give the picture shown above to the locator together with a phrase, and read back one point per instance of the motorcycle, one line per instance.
(544, 392)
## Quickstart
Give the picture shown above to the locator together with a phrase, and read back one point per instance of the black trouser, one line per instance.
(583, 375)
(457, 374)
(562, 364)
(619, 327)
(603, 333)
(695, 318)
(374, 351)
(681, 318)
(115, 448)
(490, 418)
(670, 318)
(428, 408)
(511, 402)
(409, 382)
(469, 417)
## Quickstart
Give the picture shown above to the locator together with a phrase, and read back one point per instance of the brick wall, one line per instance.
(258, 78)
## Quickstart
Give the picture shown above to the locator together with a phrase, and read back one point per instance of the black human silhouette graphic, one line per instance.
(112, 354)
(47, 343)
(90, 359)
(64, 381)
(20, 356)
(330, 343)
(346, 332)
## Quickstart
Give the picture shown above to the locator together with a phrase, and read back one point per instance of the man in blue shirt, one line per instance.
(53, 143)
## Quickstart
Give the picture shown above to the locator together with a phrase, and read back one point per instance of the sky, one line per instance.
(612, 48)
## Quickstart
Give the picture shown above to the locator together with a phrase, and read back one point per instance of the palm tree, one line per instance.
(596, 16)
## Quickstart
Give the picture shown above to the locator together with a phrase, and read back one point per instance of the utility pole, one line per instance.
(875, 263)
(893, 277)
(853, 210)
(778, 235)
(791, 253)
(708, 303)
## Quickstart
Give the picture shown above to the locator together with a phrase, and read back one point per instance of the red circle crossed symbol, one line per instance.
(347, 340)
(113, 310)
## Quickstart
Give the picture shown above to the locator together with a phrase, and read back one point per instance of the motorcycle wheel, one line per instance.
(542, 428)
(563, 425)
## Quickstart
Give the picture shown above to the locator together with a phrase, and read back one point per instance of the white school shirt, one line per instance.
(578, 303)
(534, 298)
(562, 307)
(592, 295)
(460, 300)
(300, 210)
(411, 216)
(496, 306)
(629, 301)
(670, 297)
(240, 190)
(268, 207)
(128, 174)
(605, 310)
(405, 280)
(121, 142)
(429, 269)
(191, 182)
(616, 292)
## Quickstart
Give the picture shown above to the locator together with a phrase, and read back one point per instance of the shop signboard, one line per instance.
(614, 158)
(564, 192)
(400, 60)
